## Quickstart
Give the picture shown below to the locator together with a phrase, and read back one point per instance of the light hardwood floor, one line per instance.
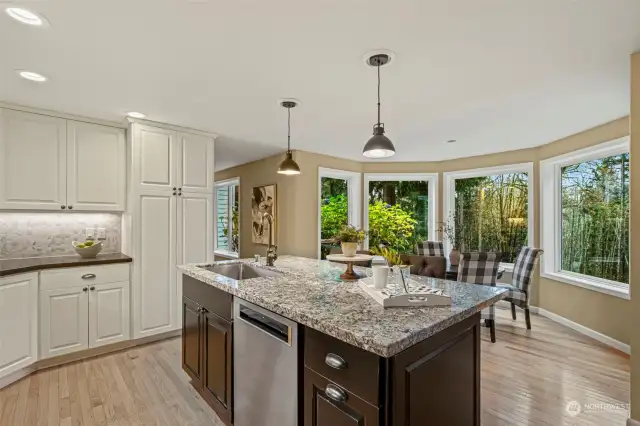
(527, 379)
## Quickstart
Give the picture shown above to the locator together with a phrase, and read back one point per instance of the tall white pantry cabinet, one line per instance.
(169, 218)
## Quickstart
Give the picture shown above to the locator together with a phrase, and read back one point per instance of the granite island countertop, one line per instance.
(310, 292)
(30, 264)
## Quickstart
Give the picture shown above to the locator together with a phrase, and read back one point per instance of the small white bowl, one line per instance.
(88, 252)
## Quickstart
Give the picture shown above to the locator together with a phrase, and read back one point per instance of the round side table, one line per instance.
(349, 274)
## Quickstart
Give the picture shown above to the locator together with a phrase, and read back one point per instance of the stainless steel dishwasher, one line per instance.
(265, 371)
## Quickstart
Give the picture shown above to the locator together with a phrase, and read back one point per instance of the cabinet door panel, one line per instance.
(18, 322)
(192, 354)
(194, 232)
(320, 410)
(196, 163)
(108, 313)
(155, 292)
(95, 167)
(216, 377)
(32, 161)
(64, 321)
(156, 158)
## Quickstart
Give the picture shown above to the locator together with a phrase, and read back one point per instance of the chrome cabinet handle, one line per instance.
(335, 361)
(335, 393)
(88, 276)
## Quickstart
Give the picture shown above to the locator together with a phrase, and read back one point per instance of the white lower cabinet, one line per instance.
(75, 317)
(64, 321)
(108, 314)
(18, 322)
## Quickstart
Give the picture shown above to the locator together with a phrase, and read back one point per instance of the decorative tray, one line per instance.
(419, 295)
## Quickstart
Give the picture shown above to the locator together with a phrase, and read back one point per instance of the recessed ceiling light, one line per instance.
(451, 141)
(134, 114)
(33, 76)
(26, 16)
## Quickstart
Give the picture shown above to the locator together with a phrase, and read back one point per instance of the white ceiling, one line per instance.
(494, 74)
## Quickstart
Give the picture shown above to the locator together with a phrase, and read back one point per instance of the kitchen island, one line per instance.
(357, 363)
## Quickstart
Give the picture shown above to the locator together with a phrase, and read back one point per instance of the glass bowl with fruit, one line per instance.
(88, 248)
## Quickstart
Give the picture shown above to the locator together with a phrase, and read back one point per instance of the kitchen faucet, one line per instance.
(271, 249)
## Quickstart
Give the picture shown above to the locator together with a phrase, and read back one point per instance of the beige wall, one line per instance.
(298, 213)
(635, 236)
(297, 200)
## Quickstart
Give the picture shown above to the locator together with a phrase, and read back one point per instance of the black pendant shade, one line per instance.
(289, 166)
(379, 146)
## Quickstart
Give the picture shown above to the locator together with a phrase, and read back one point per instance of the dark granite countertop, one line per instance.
(309, 292)
(29, 264)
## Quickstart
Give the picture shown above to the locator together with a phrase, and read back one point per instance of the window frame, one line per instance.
(551, 224)
(433, 185)
(450, 194)
(354, 187)
(217, 251)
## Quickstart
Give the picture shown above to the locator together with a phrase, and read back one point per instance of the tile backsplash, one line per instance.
(50, 234)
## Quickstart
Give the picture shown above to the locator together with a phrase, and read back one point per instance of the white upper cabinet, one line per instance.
(157, 155)
(96, 167)
(49, 163)
(18, 322)
(196, 163)
(33, 156)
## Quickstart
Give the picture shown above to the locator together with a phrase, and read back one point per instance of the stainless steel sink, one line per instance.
(241, 271)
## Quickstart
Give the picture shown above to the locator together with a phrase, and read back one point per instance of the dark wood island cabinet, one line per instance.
(207, 344)
(358, 364)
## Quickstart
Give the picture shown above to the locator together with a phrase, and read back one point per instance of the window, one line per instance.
(227, 205)
(339, 195)
(400, 209)
(586, 222)
(489, 209)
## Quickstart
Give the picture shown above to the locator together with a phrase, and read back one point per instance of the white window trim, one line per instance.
(551, 217)
(354, 187)
(450, 193)
(216, 251)
(431, 178)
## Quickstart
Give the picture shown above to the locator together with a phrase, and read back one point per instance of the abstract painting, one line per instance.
(263, 214)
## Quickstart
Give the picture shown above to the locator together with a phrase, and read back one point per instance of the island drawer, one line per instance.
(352, 368)
(214, 300)
(326, 404)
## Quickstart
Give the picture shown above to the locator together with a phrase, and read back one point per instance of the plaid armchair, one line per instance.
(481, 268)
(518, 292)
(431, 248)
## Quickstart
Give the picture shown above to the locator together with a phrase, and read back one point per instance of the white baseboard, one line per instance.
(584, 330)
(631, 422)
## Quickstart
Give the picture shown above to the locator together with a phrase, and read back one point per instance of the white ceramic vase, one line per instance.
(349, 249)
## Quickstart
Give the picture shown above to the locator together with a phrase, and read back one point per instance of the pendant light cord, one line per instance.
(378, 92)
(288, 129)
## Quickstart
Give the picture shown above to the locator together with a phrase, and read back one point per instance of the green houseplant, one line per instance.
(350, 237)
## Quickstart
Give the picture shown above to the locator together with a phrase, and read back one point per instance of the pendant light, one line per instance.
(289, 166)
(379, 146)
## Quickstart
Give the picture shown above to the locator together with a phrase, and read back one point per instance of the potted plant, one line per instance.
(448, 231)
(350, 237)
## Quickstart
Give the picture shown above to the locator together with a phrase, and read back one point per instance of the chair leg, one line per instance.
(527, 318)
(493, 331)
(513, 311)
